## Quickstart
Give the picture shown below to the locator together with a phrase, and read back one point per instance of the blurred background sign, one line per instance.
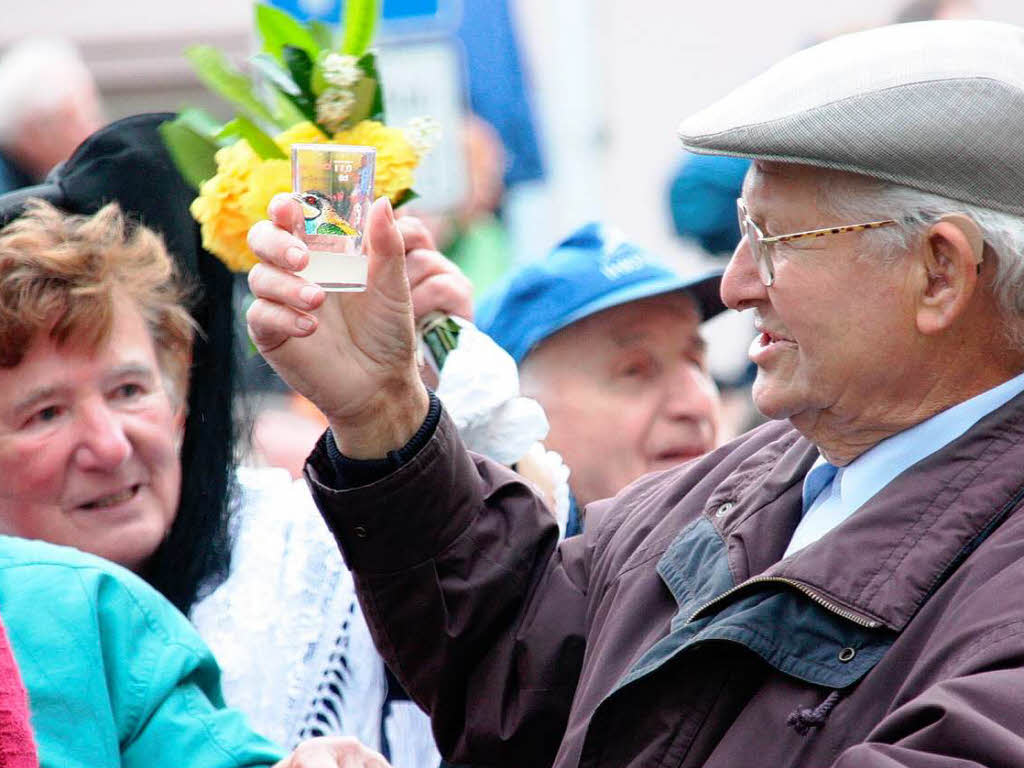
(425, 78)
(399, 18)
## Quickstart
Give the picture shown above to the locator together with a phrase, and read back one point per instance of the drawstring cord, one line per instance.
(804, 718)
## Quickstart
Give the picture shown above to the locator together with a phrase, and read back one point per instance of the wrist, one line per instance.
(389, 421)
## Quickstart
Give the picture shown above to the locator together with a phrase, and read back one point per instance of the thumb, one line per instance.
(386, 252)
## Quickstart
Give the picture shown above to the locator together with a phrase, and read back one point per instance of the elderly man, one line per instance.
(607, 340)
(838, 588)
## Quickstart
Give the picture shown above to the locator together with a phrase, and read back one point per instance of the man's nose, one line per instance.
(103, 443)
(691, 394)
(741, 284)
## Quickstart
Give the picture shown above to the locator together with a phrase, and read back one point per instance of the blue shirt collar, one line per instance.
(827, 504)
(875, 468)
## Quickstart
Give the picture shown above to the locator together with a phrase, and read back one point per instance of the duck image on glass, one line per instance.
(334, 185)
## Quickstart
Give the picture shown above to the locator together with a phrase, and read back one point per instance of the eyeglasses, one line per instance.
(759, 244)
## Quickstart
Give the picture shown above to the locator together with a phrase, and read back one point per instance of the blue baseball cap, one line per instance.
(593, 269)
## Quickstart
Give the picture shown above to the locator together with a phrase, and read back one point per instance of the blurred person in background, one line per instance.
(608, 341)
(48, 105)
(927, 10)
(702, 201)
(473, 235)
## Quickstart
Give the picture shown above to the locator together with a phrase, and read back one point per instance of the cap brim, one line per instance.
(703, 287)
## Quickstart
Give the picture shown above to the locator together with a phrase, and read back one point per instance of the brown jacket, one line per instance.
(670, 633)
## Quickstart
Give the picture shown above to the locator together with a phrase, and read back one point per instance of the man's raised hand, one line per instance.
(352, 354)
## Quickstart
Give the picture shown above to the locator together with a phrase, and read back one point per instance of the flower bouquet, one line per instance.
(305, 86)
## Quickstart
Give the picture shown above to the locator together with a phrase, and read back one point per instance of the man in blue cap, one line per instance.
(607, 340)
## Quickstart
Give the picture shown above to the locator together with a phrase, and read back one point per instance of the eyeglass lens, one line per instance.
(765, 268)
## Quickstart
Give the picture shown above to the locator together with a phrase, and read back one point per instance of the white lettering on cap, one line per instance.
(619, 258)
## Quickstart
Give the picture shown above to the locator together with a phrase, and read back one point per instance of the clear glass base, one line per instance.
(337, 271)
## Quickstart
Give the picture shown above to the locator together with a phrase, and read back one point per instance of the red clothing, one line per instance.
(17, 747)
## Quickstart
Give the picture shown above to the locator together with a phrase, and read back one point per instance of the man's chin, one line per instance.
(770, 402)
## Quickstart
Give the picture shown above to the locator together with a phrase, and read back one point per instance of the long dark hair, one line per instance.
(127, 162)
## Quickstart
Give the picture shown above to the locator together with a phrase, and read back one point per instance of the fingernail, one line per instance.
(304, 323)
(309, 293)
(389, 210)
(294, 256)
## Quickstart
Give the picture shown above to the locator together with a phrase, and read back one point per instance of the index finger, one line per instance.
(277, 246)
(284, 210)
(416, 234)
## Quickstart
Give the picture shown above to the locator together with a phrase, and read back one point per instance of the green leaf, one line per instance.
(323, 34)
(301, 68)
(260, 142)
(300, 65)
(201, 122)
(286, 111)
(222, 77)
(366, 97)
(318, 82)
(369, 95)
(360, 24)
(278, 29)
(405, 196)
(192, 150)
(269, 67)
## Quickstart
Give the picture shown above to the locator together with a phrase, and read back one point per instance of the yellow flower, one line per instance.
(267, 178)
(219, 207)
(300, 133)
(396, 159)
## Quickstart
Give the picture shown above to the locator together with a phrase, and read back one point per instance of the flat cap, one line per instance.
(934, 105)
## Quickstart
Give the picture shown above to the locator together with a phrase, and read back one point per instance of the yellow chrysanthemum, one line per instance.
(300, 133)
(268, 178)
(396, 159)
(219, 207)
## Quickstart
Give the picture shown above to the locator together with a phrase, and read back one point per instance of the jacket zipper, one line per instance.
(826, 604)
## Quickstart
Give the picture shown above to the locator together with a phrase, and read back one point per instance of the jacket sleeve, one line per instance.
(115, 674)
(170, 685)
(472, 604)
(971, 715)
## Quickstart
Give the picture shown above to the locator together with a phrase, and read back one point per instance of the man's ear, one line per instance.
(951, 263)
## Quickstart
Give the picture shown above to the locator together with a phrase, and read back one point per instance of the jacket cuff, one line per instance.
(350, 473)
(409, 515)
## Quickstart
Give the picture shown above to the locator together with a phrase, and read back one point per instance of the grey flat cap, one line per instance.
(936, 105)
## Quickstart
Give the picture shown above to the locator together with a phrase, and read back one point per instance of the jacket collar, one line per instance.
(891, 554)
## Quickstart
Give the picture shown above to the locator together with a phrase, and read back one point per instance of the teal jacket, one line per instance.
(116, 676)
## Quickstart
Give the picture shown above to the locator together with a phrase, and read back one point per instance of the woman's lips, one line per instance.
(112, 499)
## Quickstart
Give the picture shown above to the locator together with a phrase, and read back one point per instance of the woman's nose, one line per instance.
(103, 443)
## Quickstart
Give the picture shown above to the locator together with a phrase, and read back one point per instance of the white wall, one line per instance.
(650, 63)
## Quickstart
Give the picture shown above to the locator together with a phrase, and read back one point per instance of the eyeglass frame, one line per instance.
(759, 251)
